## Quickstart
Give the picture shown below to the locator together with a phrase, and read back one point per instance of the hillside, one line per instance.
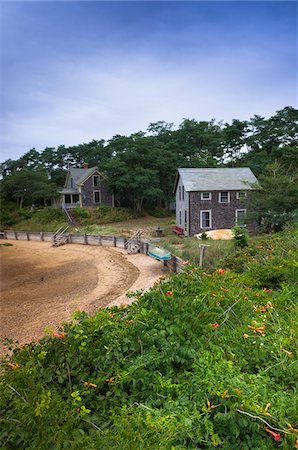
(205, 359)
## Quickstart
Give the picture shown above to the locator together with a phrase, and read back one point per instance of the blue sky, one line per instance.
(76, 71)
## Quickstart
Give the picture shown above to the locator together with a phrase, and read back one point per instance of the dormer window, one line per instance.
(96, 180)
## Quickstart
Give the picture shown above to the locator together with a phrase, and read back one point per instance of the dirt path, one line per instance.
(42, 285)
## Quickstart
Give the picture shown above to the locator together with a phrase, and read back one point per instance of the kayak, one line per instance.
(159, 253)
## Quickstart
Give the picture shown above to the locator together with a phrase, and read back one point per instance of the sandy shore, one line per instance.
(43, 285)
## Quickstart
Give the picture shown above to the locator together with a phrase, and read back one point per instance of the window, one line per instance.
(224, 197)
(205, 195)
(240, 217)
(182, 192)
(67, 198)
(179, 192)
(241, 194)
(96, 197)
(185, 219)
(75, 198)
(96, 180)
(180, 217)
(205, 219)
(71, 183)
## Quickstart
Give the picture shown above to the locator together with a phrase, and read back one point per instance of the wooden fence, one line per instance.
(175, 264)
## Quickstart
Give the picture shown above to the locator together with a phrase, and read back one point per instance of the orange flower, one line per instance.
(257, 329)
(296, 444)
(210, 406)
(59, 335)
(225, 394)
(287, 352)
(267, 290)
(214, 325)
(275, 435)
(110, 380)
(206, 274)
(169, 293)
(225, 290)
(245, 336)
(90, 384)
(14, 366)
(214, 295)
(129, 321)
(220, 270)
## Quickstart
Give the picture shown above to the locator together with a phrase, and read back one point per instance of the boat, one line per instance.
(159, 253)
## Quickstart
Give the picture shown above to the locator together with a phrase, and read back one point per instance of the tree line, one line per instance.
(141, 167)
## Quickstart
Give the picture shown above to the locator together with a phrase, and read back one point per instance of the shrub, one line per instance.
(81, 212)
(240, 236)
(202, 360)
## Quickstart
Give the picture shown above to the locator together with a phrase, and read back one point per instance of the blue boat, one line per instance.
(159, 253)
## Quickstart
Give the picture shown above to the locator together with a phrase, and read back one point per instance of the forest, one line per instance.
(141, 168)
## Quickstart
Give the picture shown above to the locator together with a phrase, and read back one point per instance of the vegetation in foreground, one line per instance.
(203, 360)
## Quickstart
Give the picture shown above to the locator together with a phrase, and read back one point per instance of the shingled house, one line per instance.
(85, 187)
(210, 199)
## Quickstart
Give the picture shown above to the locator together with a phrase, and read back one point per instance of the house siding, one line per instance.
(88, 190)
(223, 214)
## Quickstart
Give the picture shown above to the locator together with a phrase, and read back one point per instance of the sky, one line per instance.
(74, 71)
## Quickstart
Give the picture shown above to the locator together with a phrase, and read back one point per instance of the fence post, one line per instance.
(85, 239)
(99, 240)
(174, 263)
(5, 234)
(115, 241)
(41, 236)
(70, 238)
(146, 248)
(202, 253)
(16, 235)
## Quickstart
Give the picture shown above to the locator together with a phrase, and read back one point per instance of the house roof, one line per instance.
(80, 175)
(226, 179)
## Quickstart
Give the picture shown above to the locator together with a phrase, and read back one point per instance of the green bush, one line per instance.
(202, 360)
(240, 236)
(81, 212)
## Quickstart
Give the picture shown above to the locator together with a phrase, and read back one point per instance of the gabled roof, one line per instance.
(226, 179)
(80, 175)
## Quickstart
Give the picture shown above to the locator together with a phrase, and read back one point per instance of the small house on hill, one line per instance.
(210, 199)
(85, 187)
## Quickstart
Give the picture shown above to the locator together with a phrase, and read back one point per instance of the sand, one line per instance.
(41, 285)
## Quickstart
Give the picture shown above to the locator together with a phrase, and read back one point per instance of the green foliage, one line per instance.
(80, 212)
(202, 360)
(240, 236)
(204, 236)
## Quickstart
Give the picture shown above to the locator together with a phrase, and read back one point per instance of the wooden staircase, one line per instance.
(60, 237)
(133, 244)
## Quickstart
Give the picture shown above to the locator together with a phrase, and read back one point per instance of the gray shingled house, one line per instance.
(210, 199)
(85, 187)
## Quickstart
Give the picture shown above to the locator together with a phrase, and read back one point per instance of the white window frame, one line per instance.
(236, 217)
(210, 218)
(241, 194)
(93, 183)
(94, 202)
(209, 196)
(219, 197)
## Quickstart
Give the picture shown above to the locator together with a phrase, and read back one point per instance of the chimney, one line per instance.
(85, 166)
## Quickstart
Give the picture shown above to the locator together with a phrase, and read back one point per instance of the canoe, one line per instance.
(159, 253)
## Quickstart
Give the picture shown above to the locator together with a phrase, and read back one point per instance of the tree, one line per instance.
(275, 203)
(28, 186)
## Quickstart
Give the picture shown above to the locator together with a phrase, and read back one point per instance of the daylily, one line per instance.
(292, 429)
(59, 335)
(110, 380)
(214, 325)
(275, 435)
(214, 295)
(267, 290)
(220, 270)
(210, 406)
(89, 384)
(206, 274)
(169, 293)
(225, 290)
(296, 444)
(287, 352)
(257, 329)
(14, 366)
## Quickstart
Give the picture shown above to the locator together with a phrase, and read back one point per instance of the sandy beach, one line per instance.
(42, 286)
